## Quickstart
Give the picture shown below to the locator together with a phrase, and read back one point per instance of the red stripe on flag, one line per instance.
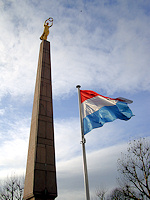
(88, 94)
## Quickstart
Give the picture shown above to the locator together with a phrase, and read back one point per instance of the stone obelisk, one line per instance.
(40, 179)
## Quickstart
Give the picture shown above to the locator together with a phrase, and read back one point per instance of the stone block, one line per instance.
(40, 153)
(39, 181)
(50, 159)
(42, 128)
(50, 184)
(43, 88)
(48, 90)
(49, 131)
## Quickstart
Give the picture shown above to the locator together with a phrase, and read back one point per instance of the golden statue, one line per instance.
(46, 28)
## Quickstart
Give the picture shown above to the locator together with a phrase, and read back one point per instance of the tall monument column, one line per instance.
(40, 179)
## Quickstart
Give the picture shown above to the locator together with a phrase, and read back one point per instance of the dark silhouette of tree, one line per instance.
(116, 194)
(100, 193)
(12, 188)
(135, 170)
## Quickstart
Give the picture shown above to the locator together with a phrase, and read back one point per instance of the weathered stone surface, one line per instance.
(40, 179)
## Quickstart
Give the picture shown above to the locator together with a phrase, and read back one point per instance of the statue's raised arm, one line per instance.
(46, 28)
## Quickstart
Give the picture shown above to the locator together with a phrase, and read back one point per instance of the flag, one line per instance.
(97, 109)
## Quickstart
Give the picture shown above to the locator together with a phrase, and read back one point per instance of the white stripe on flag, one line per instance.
(92, 105)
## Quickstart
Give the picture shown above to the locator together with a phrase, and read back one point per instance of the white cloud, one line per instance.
(118, 66)
(67, 138)
(15, 151)
(2, 111)
(110, 54)
(102, 170)
(14, 144)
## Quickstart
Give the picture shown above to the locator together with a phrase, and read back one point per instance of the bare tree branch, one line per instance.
(12, 188)
(135, 170)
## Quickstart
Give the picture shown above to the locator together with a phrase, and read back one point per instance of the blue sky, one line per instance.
(103, 46)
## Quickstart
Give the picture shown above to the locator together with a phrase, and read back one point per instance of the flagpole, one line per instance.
(83, 141)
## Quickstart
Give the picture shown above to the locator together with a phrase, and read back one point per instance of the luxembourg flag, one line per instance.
(97, 109)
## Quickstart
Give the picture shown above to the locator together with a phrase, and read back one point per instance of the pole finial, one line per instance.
(78, 86)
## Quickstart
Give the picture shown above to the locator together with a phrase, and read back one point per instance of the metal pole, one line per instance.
(83, 141)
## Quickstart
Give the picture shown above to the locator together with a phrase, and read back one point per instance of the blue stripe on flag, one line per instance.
(106, 114)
